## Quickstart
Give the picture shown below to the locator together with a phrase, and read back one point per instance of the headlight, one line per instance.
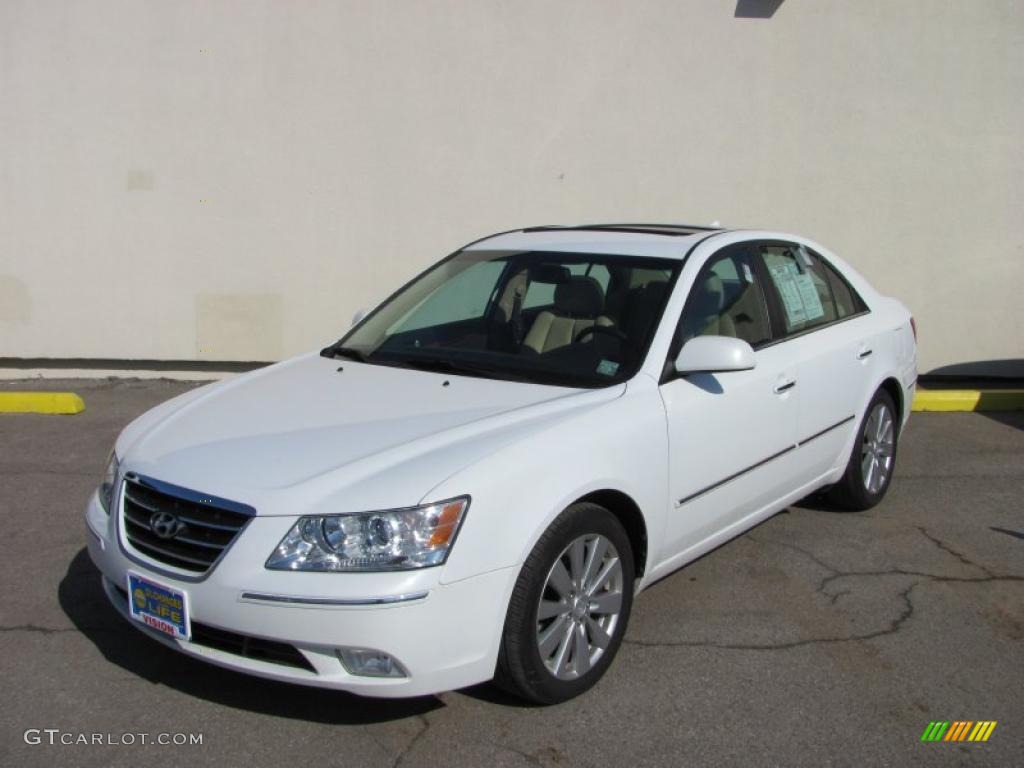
(396, 540)
(108, 481)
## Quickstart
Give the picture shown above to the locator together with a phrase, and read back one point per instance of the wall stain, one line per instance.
(15, 301)
(139, 180)
(239, 326)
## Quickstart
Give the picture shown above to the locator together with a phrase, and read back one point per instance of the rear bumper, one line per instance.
(445, 635)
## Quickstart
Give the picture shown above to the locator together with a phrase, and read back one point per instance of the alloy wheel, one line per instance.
(579, 606)
(878, 448)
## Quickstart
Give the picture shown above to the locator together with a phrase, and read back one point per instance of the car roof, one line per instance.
(660, 240)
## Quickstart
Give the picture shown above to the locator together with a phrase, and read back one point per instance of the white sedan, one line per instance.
(477, 479)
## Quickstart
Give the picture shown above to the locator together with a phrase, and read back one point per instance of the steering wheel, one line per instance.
(611, 330)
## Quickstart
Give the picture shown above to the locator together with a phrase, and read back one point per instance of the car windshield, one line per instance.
(568, 319)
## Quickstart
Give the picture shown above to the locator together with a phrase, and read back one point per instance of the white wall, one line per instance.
(231, 180)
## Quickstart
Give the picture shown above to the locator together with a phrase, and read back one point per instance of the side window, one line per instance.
(539, 295)
(727, 299)
(802, 289)
(597, 271)
(600, 273)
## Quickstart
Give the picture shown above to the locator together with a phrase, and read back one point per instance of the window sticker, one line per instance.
(800, 298)
(809, 296)
(783, 275)
(748, 274)
(607, 368)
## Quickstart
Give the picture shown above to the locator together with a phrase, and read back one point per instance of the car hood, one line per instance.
(349, 435)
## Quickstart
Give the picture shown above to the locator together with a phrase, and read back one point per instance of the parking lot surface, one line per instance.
(818, 638)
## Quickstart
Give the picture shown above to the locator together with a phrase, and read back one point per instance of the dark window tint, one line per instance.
(727, 300)
(802, 288)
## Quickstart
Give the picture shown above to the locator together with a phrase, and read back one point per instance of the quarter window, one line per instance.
(847, 301)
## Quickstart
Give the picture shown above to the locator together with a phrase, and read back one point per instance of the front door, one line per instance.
(731, 435)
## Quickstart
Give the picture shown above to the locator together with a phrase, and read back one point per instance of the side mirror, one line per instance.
(357, 318)
(714, 354)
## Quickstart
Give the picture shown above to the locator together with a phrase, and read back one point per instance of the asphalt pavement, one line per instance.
(818, 638)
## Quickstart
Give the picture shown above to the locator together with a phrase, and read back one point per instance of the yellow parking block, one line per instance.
(41, 402)
(969, 400)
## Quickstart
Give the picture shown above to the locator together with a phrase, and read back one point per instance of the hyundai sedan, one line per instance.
(476, 480)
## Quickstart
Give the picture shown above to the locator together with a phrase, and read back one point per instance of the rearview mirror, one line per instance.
(714, 354)
(357, 318)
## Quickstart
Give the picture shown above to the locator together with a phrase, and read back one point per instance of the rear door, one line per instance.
(731, 435)
(824, 326)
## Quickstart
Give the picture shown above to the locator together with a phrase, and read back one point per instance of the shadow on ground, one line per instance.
(1013, 419)
(82, 599)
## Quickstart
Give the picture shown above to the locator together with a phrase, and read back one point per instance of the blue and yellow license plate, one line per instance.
(159, 607)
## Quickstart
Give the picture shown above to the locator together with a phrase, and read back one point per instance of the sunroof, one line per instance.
(670, 230)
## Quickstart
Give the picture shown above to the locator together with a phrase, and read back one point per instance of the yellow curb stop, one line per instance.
(41, 402)
(948, 400)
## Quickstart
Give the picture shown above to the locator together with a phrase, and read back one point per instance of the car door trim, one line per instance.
(730, 478)
(825, 431)
(762, 462)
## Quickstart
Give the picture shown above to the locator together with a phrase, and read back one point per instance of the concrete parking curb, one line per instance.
(41, 402)
(949, 400)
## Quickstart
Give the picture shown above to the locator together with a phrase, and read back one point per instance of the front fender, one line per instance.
(519, 490)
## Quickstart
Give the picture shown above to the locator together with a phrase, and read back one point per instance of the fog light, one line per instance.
(367, 662)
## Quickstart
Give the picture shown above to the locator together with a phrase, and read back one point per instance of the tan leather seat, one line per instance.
(748, 317)
(642, 307)
(578, 305)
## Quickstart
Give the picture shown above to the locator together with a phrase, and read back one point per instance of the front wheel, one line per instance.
(873, 459)
(569, 608)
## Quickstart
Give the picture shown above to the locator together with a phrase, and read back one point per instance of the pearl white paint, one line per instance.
(317, 436)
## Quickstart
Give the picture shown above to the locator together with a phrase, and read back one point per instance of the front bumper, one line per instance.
(445, 635)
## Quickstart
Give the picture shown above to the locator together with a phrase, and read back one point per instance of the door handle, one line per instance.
(864, 353)
(784, 386)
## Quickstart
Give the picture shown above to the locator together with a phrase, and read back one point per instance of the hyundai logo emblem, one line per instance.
(165, 525)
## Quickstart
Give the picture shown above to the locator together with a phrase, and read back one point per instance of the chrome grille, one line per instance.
(205, 525)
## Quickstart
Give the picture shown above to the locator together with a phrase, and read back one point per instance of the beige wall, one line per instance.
(231, 180)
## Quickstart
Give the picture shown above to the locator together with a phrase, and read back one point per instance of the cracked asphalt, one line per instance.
(818, 638)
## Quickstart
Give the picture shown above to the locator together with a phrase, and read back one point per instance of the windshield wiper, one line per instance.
(445, 365)
(352, 354)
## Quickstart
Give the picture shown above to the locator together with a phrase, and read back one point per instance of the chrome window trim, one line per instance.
(798, 334)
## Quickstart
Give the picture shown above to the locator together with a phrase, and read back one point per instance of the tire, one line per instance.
(873, 459)
(550, 619)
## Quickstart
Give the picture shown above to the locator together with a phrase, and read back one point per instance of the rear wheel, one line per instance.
(873, 459)
(569, 608)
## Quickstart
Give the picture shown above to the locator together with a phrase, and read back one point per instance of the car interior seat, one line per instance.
(748, 318)
(578, 304)
(641, 309)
